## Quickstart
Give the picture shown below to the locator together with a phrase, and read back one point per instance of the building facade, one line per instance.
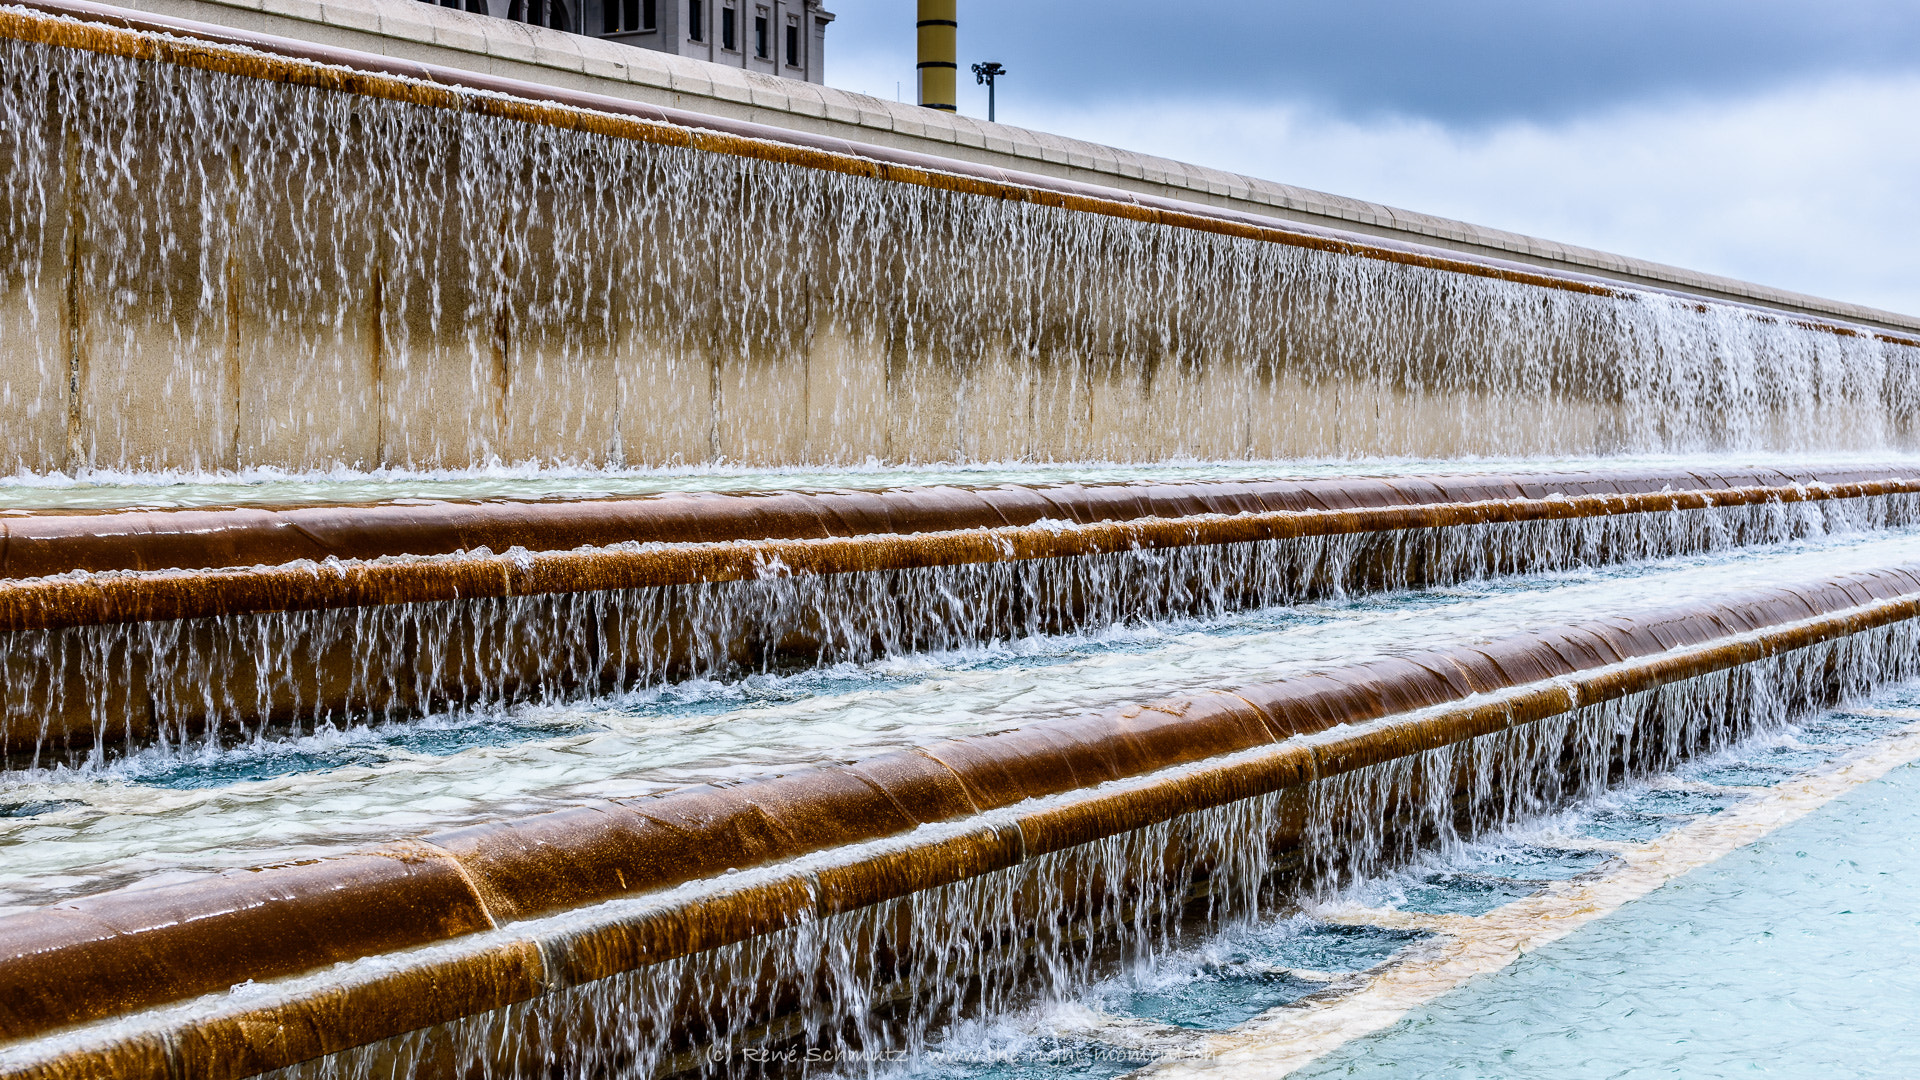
(774, 37)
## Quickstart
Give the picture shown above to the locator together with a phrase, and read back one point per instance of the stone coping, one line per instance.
(51, 543)
(427, 33)
(672, 542)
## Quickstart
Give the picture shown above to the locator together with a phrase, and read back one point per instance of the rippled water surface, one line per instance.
(1798, 956)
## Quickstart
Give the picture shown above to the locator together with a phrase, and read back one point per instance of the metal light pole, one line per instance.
(986, 73)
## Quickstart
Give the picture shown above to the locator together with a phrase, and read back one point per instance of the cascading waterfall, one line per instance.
(883, 980)
(211, 271)
(243, 267)
(87, 694)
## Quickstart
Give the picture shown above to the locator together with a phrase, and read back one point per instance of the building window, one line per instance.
(760, 36)
(726, 30)
(793, 43)
(628, 16)
(695, 17)
(548, 13)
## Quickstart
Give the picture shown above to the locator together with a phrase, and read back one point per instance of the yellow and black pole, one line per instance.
(939, 54)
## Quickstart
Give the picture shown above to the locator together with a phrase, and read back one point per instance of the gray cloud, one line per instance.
(1466, 62)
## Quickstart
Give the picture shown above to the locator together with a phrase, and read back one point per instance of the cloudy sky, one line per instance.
(1768, 140)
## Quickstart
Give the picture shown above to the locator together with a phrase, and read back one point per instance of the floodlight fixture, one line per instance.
(985, 73)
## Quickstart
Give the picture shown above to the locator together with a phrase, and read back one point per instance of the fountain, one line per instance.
(231, 260)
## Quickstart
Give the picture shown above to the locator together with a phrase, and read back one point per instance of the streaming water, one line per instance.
(1139, 1013)
(927, 984)
(91, 693)
(205, 271)
(177, 812)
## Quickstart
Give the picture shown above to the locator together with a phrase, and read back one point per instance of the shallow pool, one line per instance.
(1797, 956)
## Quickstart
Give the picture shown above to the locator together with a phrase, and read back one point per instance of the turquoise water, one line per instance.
(1529, 862)
(1216, 999)
(1653, 812)
(1245, 972)
(1464, 894)
(1798, 956)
